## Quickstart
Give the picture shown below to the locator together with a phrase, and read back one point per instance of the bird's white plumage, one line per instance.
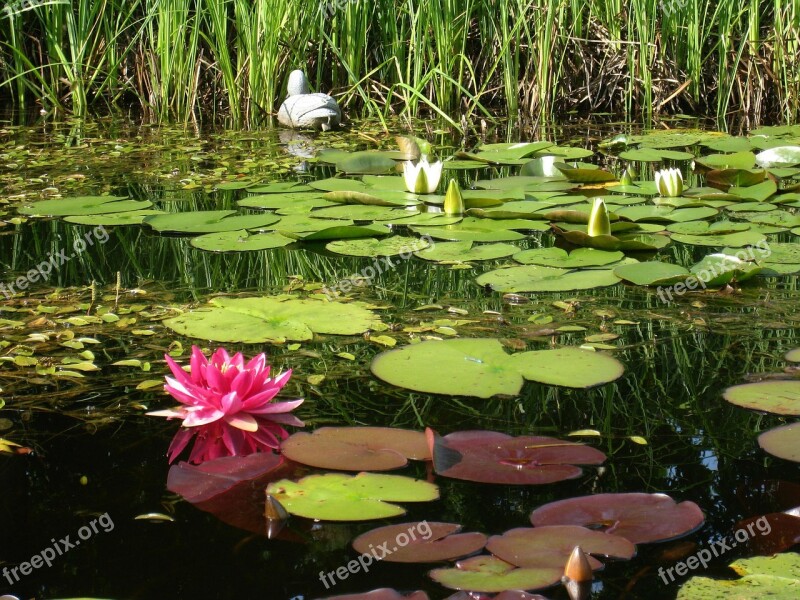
(302, 109)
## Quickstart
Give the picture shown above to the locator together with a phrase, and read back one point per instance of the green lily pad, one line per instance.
(584, 174)
(652, 273)
(372, 248)
(781, 252)
(305, 223)
(338, 497)
(779, 397)
(632, 242)
(301, 202)
(239, 241)
(655, 155)
(556, 257)
(783, 442)
(759, 192)
(340, 232)
(375, 198)
(279, 187)
(278, 318)
(459, 252)
(535, 278)
(706, 228)
(720, 269)
(339, 184)
(359, 212)
(373, 162)
(761, 577)
(736, 160)
(491, 574)
(736, 240)
(133, 217)
(480, 230)
(482, 368)
(82, 205)
(207, 221)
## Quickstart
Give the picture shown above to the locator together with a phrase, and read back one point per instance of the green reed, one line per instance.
(460, 59)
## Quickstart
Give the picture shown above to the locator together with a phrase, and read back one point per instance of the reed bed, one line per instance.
(191, 60)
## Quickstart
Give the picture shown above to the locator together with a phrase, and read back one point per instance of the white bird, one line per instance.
(302, 109)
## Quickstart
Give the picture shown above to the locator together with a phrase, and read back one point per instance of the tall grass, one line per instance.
(195, 59)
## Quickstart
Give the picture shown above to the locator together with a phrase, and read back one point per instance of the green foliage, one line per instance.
(184, 59)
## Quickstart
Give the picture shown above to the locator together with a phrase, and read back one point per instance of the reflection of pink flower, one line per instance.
(228, 405)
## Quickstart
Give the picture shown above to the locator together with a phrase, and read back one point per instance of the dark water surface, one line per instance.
(95, 456)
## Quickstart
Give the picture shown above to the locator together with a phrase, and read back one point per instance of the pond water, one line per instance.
(92, 454)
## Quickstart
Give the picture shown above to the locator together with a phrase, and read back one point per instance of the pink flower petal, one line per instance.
(243, 421)
(170, 413)
(277, 407)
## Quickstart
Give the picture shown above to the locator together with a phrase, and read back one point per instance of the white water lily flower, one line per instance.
(599, 223)
(669, 182)
(422, 178)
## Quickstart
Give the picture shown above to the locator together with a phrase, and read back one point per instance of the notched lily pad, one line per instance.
(779, 397)
(426, 541)
(482, 368)
(278, 318)
(356, 448)
(82, 205)
(492, 574)
(783, 442)
(338, 497)
(640, 518)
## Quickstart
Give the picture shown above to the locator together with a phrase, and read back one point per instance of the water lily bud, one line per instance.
(626, 178)
(599, 223)
(578, 568)
(453, 201)
(669, 182)
(276, 516)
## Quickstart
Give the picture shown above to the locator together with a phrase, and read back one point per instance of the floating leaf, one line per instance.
(640, 518)
(551, 546)
(783, 442)
(393, 246)
(556, 257)
(652, 273)
(207, 221)
(535, 278)
(458, 252)
(761, 577)
(481, 367)
(779, 397)
(427, 541)
(262, 319)
(490, 457)
(491, 574)
(240, 241)
(356, 448)
(336, 497)
(82, 205)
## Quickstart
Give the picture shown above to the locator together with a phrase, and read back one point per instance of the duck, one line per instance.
(304, 110)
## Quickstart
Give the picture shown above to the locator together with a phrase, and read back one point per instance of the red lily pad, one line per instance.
(232, 488)
(551, 546)
(783, 442)
(197, 483)
(380, 594)
(491, 457)
(771, 533)
(420, 542)
(356, 448)
(641, 518)
(492, 574)
(507, 595)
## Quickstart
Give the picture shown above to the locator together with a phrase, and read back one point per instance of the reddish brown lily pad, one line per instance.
(356, 448)
(492, 574)
(419, 542)
(641, 518)
(551, 546)
(380, 594)
(491, 457)
(507, 595)
(783, 442)
(771, 533)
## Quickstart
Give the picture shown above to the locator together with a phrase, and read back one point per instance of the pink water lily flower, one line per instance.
(227, 406)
